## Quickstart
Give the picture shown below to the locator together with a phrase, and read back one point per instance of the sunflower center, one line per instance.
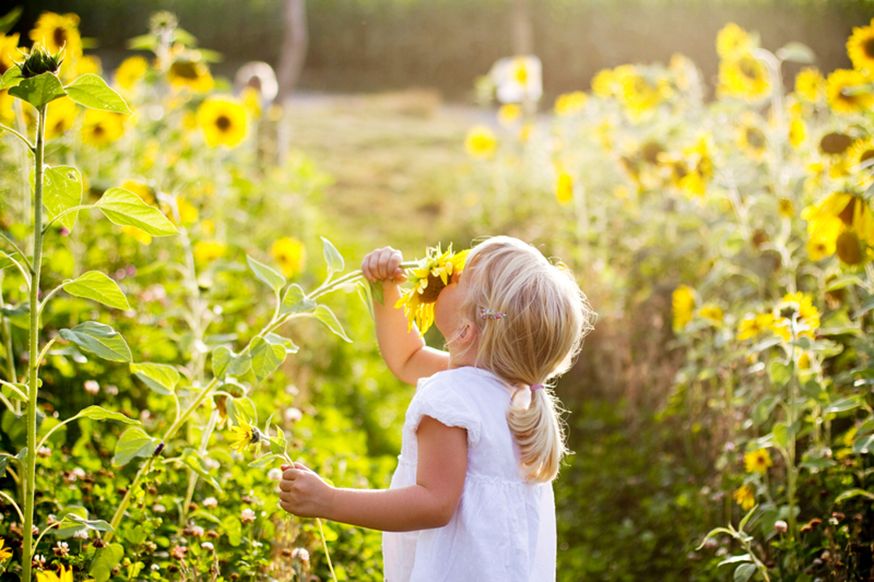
(223, 123)
(432, 291)
(748, 67)
(185, 70)
(849, 210)
(98, 130)
(60, 36)
(868, 47)
(755, 138)
(650, 151)
(866, 155)
(848, 248)
(835, 143)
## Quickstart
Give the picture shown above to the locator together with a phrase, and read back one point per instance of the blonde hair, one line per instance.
(531, 318)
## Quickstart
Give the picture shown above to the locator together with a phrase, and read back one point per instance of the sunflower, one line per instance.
(130, 71)
(180, 211)
(188, 72)
(823, 237)
(509, 113)
(428, 280)
(5, 554)
(564, 185)
(683, 304)
(744, 76)
(711, 313)
(785, 207)
(604, 83)
(753, 325)
(848, 91)
(797, 132)
(244, 435)
(732, 40)
(7, 113)
(8, 51)
(208, 251)
(60, 31)
(60, 116)
(860, 47)
(570, 103)
(860, 155)
(757, 461)
(480, 142)
(745, 496)
(147, 193)
(222, 121)
(641, 93)
(65, 574)
(797, 307)
(101, 128)
(751, 138)
(810, 84)
(290, 253)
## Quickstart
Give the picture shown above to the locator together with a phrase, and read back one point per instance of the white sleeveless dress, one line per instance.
(504, 527)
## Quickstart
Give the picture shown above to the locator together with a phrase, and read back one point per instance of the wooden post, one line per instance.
(294, 47)
(523, 29)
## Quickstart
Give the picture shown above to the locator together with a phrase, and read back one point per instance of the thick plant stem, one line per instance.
(33, 350)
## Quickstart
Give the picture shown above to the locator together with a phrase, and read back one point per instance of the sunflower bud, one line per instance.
(849, 248)
(41, 61)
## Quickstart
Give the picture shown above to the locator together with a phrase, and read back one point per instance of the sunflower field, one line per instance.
(177, 318)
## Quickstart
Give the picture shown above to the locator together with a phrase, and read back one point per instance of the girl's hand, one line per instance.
(384, 265)
(303, 493)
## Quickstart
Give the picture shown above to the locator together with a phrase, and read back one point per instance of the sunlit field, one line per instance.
(181, 310)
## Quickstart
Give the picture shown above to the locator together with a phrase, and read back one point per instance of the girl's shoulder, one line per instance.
(457, 377)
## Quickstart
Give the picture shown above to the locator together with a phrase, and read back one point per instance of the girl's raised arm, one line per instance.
(404, 351)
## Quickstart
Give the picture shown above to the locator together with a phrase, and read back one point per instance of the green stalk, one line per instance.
(792, 413)
(33, 347)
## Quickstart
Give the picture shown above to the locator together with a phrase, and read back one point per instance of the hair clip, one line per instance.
(536, 387)
(486, 313)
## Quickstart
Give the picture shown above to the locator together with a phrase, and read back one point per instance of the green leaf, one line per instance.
(376, 291)
(95, 412)
(105, 559)
(39, 90)
(11, 78)
(746, 519)
(99, 340)
(268, 353)
(735, 560)
(221, 357)
(324, 314)
(864, 444)
(266, 274)
(713, 532)
(90, 90)
(744, 572)
(5, 261)
(98, 287)
(781, 435)
(161, 378)
(125, 208)
(134, 442)
(95, 524)
(9, 19)
(851, 493)
(843, 405)
(68, 526)
(294, 300)
(797, 53)
(779, 373)
(193, 461)
(333, 258)
(233, 527)
(62, 190)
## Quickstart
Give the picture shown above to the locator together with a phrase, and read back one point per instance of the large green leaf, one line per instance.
(125, 208)
(744, 572)
(294, 300)
(105, 559)
(39, 90)
(233, 527)
(95, 412)
(324, 314)
(90, 90)
(161, 378)
(62, 190)
(221, 357)
(266, 274)
(99, 340)
(333, 258)
(98, 287)
(134, 442)
(268, 353)
(11, 78)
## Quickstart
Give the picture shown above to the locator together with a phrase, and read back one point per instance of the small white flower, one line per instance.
(81, 534)
(292, 414)
(301, 555)
(44, 452)
(197, 531)
(92, 387)
(274, 474)
(247, 516)
(155, 567)
(210, 502)
(158, 508)
(208, 546)
(78, 472)
(211, 463)
(112, 390)
(780, 526)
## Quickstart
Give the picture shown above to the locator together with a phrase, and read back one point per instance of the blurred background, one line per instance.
(703, 166)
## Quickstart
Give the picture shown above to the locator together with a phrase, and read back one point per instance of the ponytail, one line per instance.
(539, 433)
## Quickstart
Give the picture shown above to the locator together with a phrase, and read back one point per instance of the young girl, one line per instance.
(471, 498)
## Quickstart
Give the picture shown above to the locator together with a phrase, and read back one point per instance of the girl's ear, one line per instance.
(468, 334)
